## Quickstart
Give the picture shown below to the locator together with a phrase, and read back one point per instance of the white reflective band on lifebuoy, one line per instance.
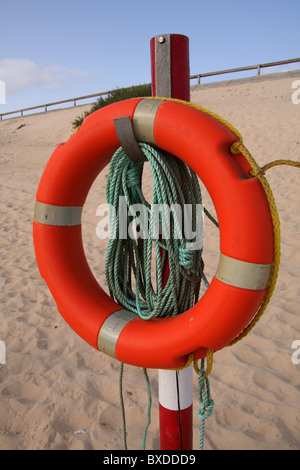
(242, 273)
(49, 214)
(111, 330)
(143, 120)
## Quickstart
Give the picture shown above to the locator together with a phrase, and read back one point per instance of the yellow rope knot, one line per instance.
(257, 172)
(187, 364)
(238, 148)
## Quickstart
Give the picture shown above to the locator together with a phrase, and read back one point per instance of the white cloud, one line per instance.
(24, 74)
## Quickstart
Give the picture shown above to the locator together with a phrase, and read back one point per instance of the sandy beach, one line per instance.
(56, 392)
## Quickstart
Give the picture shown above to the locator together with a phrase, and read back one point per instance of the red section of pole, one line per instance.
(180, 70)
(170, 56)
(170, 78)
(175, 434)
(175, 391)
(152, 58)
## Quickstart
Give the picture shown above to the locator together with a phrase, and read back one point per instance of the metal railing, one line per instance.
(46, 106)
(257, 67)
(198, 76)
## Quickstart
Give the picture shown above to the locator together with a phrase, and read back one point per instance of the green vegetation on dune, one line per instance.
(119, 94)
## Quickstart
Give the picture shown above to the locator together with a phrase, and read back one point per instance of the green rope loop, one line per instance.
(205, 400)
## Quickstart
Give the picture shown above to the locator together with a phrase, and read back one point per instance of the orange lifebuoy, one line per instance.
(246, 235)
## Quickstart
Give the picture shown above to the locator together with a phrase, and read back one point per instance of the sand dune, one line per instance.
(53, 384)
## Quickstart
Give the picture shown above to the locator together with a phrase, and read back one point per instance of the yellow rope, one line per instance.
(76, 129)
(279, 162)
(209, 362)
(237, 148)
(258, 172)
(187, 364)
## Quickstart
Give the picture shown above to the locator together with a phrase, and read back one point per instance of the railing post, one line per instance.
(258, 70)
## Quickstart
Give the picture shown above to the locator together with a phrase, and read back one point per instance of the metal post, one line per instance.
(170, 66)
(170, 75)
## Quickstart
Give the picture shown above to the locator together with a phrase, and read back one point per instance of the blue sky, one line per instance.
(59, 49)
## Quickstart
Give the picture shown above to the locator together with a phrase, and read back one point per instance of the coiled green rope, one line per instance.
(128, 268)
(128, 260)
(123, 408)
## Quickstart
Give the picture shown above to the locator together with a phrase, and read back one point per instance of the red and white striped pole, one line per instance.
(170, 75)
(175, 391)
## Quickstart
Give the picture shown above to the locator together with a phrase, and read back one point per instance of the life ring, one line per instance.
(246, 235)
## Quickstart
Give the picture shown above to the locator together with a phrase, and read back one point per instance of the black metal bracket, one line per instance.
(128, 142)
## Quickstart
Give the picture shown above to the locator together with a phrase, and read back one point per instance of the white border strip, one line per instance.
(243, 274)
(62, 216)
